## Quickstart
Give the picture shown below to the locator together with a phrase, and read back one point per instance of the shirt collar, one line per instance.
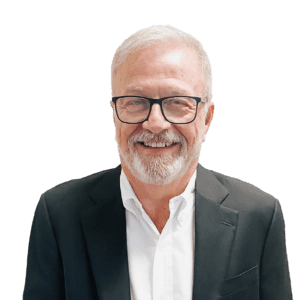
(183, 204)
(128, 196)
(185, 200)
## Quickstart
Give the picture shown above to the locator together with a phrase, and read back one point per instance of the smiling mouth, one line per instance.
(156, 144)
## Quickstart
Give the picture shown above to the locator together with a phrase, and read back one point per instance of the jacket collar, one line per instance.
(209, 187)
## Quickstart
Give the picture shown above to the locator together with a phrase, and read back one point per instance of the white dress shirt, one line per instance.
(161, 266)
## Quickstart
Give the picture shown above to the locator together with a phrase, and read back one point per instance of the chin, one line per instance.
(159, 170)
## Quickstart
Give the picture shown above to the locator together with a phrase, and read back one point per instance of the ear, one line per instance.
(112, 104)
(210, 113)
(208, 118)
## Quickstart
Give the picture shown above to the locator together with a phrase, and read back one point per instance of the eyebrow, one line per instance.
(133, 89)
(171, 92)
(178, 92)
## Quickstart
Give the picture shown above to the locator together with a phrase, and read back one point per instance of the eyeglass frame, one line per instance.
(158, 101)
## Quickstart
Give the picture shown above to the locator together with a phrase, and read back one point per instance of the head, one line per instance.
(158, 62)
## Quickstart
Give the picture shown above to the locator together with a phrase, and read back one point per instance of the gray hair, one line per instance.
(150, 36)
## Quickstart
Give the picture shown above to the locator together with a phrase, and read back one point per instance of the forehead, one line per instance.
(162, 64)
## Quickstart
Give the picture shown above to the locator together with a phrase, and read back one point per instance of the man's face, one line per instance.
(160, 71)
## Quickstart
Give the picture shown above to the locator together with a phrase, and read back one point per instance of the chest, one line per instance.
(159, 252)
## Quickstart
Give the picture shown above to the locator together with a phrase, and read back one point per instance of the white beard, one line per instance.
(159, 170)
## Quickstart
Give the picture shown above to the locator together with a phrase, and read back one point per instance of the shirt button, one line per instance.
(137, 205)
(161, 247)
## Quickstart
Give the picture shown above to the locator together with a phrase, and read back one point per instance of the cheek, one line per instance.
(192, 132)
(199, 127)
(119, 131)
(123, 132)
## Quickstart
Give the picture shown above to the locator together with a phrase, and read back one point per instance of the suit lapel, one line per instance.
(104, 228)
(215, 228)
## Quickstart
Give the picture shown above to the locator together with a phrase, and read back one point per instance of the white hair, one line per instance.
(150, 36)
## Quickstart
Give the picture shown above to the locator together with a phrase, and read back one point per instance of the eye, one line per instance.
(177, 102)
(136, 102)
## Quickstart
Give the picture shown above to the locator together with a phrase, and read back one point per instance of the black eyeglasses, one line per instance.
(176, 110)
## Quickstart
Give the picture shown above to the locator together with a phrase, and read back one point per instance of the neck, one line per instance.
(156, 197)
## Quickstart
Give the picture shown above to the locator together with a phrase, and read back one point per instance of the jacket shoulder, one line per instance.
(244, 196)
(74, 193)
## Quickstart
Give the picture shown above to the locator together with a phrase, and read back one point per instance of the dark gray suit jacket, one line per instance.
(78, 250)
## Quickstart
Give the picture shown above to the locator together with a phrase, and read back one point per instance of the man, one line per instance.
(160, 226)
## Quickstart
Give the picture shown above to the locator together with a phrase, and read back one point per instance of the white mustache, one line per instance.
(146, 136)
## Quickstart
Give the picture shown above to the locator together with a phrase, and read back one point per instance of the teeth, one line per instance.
(156, 145)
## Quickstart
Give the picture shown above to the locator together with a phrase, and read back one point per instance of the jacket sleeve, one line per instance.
(44, 274)
(275, 281)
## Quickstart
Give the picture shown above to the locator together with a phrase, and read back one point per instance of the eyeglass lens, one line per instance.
(177, 109)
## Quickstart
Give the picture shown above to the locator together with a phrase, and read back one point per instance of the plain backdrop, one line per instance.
(56, 120)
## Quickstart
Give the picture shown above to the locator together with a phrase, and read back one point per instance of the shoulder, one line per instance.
(247, 198)
(74, 194)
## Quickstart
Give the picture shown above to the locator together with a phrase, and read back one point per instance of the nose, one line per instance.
(156, 121)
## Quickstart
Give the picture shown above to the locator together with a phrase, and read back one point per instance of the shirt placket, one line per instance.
(168, 255)
(163, 263)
